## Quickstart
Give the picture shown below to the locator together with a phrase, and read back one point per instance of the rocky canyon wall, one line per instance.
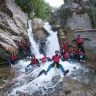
(13, 27)
(78, 21)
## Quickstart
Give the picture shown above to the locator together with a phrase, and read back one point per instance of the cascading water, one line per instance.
(53, 44)
(34, 45)
(29, 84)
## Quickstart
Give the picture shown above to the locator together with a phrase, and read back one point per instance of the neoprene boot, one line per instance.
(65, 72)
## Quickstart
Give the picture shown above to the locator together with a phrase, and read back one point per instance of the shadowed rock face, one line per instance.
(13, 27)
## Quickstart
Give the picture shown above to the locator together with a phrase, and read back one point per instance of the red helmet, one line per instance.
(65, 43)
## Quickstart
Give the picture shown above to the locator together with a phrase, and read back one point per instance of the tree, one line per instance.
(35, 8)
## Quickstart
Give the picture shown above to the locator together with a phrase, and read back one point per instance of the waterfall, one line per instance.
(34, 45)
(30, 83)
(53, 44)
(52, 41)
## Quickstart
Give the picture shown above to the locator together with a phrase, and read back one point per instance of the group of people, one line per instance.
(24, 46)
(69, 54)
(56, 58)
(23, 51)
(65, 54)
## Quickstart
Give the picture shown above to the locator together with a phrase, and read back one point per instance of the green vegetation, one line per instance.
(35, 8)
(63, 15)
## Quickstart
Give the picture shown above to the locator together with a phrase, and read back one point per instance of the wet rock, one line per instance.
(66, 88)
(38, 30)
(20, 93)
(37, 24)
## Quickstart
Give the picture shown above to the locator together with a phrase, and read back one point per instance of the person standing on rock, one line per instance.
(27, 48)
(80, 44)
(21, 49)
(12, 59)
(79, 41)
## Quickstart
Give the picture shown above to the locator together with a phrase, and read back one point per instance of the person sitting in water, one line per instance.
(12, 59)
(34, 61)
(66, 55)
(56, 63)
(44, 58)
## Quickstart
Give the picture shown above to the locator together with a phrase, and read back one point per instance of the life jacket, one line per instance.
(27, 44)
(56, 58)
(65, 43)
(13, 58)
(66, 56)
(80, 52)
(73, 50)
(65, 47)
(44, 59)
(20, 44)
(79, 40)
(34, 61)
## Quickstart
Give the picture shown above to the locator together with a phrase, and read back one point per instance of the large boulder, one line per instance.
(38, 29)
(13, 27)
(70, 8)
(79, 22)
(78, 6)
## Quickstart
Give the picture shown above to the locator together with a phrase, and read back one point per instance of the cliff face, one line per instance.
(79, 19)
(77, 11)
(13, 27)
(79, 22)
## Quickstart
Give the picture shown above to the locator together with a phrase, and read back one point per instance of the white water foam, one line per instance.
(34, 45)
(52, 39)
